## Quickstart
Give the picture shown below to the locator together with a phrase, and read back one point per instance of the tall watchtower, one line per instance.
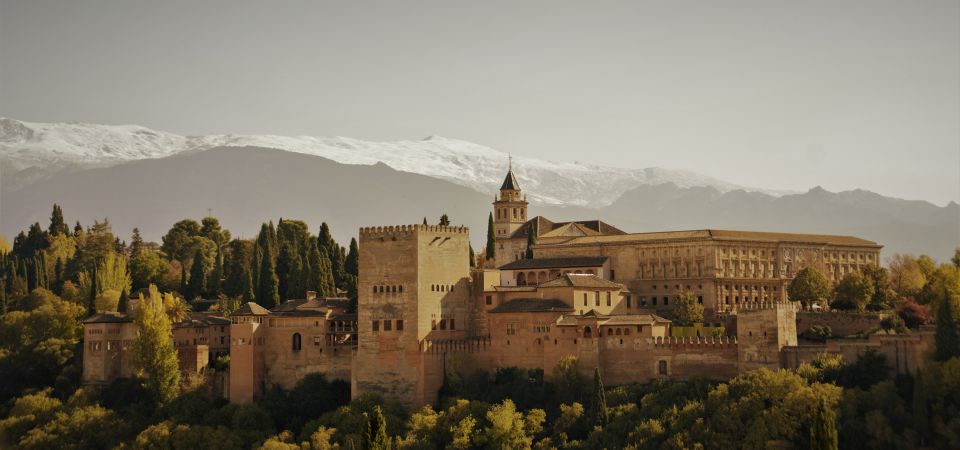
(510, 209)
(414, 287)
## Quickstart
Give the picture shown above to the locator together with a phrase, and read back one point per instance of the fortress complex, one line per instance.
(589, 290)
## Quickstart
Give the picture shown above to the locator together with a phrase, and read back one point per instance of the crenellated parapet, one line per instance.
(393, 230)
(749, 307)
(694, 343)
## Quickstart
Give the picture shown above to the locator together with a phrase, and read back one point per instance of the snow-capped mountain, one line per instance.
(53, 146)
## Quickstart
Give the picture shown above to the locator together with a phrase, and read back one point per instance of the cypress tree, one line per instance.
(77, 229)
(268, 294)
(326, 287)
(183, 279)
(823, 430)
(214, 284)
(197, 285)
(58, 276)
(491, 245)
(375, 433)
(122, 305)
(425, 220)
(352, 262)
(599, 406)
(473, 257)
(531, 240)
(921, 417)
(946, 338)
(57, 225)
(91, 299)
(445, 220)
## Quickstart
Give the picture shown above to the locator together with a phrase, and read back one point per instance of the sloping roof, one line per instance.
(546, 228)
(730, 235)
(310, 307)
(634, 319)
(202, 320)
(109, 317)
(581, 280)
(550, 263)
(251, 309)
(510, 182)
(532, 305)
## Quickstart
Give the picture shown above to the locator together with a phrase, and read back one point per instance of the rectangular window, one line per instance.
(628, 301)
(399, 325)
(489, 299)
(596, 298)
(666, 301)
(612, 274)
(584, 299)
(376, 325)
(700, 299)
(511, 329)
(387, 325)
(316, 340)
(609, 298)
(453, 325)
(654, 301)
(443, 324)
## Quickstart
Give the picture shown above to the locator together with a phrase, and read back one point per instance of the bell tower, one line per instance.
(510, 209)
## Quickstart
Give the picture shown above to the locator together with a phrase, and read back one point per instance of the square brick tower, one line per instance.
(413, 289)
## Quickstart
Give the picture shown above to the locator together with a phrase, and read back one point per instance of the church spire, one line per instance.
(510, 182)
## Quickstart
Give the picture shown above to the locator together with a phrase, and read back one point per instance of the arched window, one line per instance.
(662, 367)
(296, 342)
(587, 332)
(521, 279)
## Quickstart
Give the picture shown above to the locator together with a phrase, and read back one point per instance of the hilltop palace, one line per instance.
(590, 290)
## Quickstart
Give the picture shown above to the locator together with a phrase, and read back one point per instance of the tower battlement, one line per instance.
(693, 342)
(751, 307)
(391, 230)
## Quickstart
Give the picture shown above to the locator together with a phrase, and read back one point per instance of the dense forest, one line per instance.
(53, 277)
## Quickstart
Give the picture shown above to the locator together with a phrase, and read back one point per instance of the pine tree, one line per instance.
(491, 240)
(197, 285)
(823, 430)
(599, 406)
(268, 294)
(136, 243)
(444, 220)
(154, 356)
(946, 338)
(57, 225)
(921, 415)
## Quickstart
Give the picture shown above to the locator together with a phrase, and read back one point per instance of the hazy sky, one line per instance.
(772, 94)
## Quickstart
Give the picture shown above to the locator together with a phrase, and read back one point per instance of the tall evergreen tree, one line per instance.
(77, 229)
(57, 225)
(946, 337)
(473, 257)
(94, 292)
(124, 301)
(491, 240)
(197, 285)
(327, 287)
(425, 220)
(215, 282)
(352, 262)
(921, 414)
(268, 294)
(531, 240)
(375, 435)
(289, 271)
(599, 400)
(823, 430)
(444, 220)
(136, 243)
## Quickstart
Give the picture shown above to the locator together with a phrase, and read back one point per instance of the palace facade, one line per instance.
(588, 290)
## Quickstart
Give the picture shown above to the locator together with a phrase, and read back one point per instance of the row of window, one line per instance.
(391, 289)
(441, 287)
(388, 325)
(443, 324)
(111, 345)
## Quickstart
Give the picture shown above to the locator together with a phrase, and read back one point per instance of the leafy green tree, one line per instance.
(79, 428)
(906, 278)
(177, 242)
(823, 431)
(154, 356)
(686, 310)
(147, 268)
(853, 292)
(57, 225)
(946, 337)
(491, 248)
(599, 404)
(956, 257)
(239, 275)
(506, 429)
(884, 296)
(375, 437)
(210, 228)
(809, 286)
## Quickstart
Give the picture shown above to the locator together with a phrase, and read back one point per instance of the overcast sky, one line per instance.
(784, 95)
